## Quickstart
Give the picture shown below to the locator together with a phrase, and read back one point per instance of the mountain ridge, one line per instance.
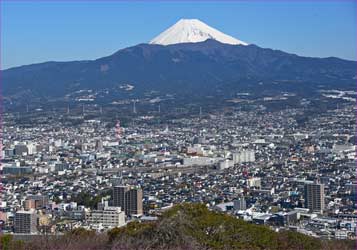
(171, 45)
(169, 69)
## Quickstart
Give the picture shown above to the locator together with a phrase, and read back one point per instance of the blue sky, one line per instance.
(38, 31)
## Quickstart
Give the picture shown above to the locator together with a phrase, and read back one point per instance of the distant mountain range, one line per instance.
(181, 68)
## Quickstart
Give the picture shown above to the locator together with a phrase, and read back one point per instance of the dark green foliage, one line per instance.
(8, 243)
(195, 227)
(81, 232)
(89, 200)
(292, 240)
(5, 241)
(133, 229)
(184, 227)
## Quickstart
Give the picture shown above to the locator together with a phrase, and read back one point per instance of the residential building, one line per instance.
(108, 217)
(314, 197)
(25, 222)
(129, 198)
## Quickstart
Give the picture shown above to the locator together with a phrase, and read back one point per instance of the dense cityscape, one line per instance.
(178, 125)
(262, 165)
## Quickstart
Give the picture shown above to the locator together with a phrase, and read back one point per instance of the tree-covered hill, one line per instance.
(186, 226)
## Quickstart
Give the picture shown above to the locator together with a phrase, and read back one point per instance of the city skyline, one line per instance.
(197, 126)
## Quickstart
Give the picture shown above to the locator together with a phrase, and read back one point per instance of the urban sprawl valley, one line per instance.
(286, 168)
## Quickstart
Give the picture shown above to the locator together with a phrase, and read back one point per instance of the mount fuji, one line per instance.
(189, 59)
(193, 31)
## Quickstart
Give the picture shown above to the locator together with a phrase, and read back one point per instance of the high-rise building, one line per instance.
(25, 222)
(240, 204)
(119, 196)
(134, 201)
(129, 198)
(314, 197)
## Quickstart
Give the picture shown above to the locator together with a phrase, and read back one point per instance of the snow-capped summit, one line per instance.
(192, 31)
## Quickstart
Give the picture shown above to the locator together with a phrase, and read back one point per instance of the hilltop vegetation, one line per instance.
(186, 226)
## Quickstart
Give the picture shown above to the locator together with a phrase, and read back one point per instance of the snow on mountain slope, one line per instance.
(192, 31)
